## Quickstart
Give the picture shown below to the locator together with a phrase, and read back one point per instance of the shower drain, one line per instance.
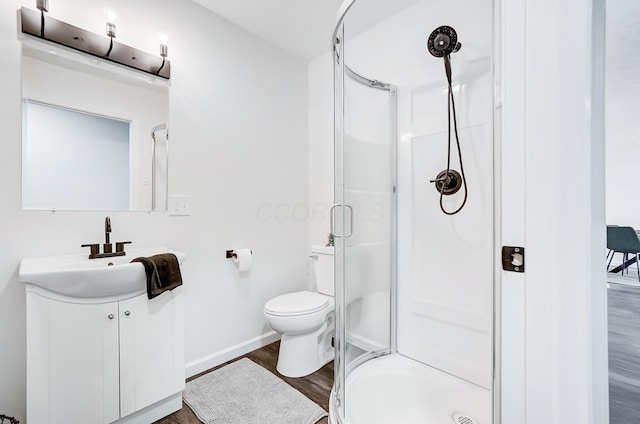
(464, 419)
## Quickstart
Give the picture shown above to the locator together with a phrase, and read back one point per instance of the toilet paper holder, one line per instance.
(232, 254)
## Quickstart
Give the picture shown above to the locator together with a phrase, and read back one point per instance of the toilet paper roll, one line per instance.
(242, 259)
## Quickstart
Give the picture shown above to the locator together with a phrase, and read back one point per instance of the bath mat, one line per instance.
(243, 392)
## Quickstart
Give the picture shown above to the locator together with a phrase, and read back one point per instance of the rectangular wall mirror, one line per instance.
(94, 134)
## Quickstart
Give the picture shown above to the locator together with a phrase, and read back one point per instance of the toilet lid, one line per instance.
(298, 303)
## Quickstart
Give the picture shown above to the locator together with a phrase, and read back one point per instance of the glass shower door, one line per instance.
(364, 220)
(337, 216)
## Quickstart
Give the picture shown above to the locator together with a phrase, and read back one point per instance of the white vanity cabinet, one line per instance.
(120, 360)
(151, 350)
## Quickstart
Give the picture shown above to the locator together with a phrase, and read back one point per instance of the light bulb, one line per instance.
(111, 23)
(110, 14)
(164, 39)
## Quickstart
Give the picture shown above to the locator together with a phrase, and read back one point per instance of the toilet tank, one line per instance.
(323, 268)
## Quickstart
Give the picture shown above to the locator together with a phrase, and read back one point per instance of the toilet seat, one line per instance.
(298, 303)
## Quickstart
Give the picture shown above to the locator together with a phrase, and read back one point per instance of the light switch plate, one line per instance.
(179, 205)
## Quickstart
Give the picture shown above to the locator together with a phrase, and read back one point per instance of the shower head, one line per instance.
(443, 41)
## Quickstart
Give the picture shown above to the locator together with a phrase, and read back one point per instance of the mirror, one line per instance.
(94, 134)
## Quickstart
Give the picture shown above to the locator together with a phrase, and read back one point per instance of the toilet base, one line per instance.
(302, 355)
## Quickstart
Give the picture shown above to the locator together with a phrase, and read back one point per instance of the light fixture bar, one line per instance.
(96, 45)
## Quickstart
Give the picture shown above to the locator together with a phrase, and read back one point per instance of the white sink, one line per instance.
(80, 277)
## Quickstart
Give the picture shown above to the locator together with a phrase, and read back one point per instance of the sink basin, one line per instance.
(80, 277)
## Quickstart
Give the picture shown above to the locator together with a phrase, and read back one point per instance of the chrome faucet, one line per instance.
(107, 246)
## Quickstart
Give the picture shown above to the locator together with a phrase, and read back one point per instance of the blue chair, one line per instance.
(623, 240)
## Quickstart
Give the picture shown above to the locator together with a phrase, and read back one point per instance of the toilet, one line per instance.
(305, 320)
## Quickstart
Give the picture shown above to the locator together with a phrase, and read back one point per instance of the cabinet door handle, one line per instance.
(127, 313)
(110, 316)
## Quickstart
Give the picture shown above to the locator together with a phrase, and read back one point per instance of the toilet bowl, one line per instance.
(305, 320)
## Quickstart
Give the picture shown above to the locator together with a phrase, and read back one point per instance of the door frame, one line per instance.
(553, 347)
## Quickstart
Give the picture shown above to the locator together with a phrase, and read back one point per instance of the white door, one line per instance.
(151, 353)
(72, 362)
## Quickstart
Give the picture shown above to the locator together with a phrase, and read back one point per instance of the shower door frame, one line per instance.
(344, 219)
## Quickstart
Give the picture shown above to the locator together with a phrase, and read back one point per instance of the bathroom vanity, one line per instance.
(115, 356)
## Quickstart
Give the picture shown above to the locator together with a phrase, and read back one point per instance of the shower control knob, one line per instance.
(448, 182)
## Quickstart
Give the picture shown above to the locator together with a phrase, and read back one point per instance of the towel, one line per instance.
(163, 273)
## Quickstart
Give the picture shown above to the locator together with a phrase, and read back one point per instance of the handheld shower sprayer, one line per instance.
(442, 42)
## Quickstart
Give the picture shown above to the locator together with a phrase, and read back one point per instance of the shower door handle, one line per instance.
(332, 225)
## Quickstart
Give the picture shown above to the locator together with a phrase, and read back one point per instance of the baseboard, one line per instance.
(365, 344)
(220, 357)
(153, 413)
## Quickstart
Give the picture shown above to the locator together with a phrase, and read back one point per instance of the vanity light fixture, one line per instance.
(32, 23)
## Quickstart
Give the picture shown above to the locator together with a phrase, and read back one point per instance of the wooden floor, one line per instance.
(624, 354)
(316, 386)
(624, 364)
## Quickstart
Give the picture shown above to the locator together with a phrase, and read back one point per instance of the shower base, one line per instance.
(397, 389)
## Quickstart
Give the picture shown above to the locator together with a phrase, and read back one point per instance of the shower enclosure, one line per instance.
(415, 288)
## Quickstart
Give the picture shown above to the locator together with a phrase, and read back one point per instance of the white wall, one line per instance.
(320, 146)
(238, 114)
(622, 111)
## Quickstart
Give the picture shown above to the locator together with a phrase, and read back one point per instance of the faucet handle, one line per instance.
(95, 249)
(120, 245)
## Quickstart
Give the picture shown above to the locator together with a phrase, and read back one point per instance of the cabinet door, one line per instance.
(72, 362)
(151, 354)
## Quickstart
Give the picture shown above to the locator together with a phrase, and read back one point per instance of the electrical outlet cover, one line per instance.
(179, 205)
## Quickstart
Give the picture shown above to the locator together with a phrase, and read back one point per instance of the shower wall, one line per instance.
(445, 263)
